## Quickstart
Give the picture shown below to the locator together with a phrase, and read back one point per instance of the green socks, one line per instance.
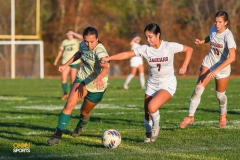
(64, 88)
(63, 120)
(82, 123)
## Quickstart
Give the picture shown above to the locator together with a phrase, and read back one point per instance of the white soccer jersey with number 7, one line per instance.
(160, 61)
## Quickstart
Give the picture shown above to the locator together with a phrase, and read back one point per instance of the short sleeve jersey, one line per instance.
(91, 66)
(160, 61)
(135, 45)
(219, 45)
(69, 48)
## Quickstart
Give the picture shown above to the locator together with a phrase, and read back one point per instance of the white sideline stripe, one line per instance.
(99, 106)
(6, 98)
(20, 117)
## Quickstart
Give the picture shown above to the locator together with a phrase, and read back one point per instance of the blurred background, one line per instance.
(117, 22)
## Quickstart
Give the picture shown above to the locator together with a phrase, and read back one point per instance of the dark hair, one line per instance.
(154, 28)
(90, 31)
(222, 14)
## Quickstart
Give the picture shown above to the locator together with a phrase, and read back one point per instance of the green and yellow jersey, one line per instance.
(91, 68)
(69, 48)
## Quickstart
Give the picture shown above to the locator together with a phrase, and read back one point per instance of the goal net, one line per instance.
(25, 62)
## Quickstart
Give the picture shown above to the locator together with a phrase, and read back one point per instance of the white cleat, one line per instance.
(155, 132)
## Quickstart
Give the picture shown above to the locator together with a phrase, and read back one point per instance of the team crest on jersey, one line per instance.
(162, 59)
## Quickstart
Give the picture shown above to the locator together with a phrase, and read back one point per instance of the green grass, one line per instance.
(30, 107)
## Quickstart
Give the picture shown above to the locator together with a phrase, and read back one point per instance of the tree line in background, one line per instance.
(118, 21)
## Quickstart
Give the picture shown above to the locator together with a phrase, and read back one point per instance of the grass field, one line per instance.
(30, 109)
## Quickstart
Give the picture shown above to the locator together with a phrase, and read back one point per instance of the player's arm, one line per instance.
(60, 52)
(119, 56)
(75, 57)
(231, 58)
(79, 36)
(101, 75)
(134, 40)
(188, 50)
(206, 40)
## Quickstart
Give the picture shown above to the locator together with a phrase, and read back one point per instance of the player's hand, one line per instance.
(212, 74)
(182, 70)
(61, 68)
(104, 60)
(197, 42)
(99, 84)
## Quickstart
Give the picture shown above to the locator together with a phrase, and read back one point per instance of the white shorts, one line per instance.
(136, 61)
(223, 73)
(171, 88)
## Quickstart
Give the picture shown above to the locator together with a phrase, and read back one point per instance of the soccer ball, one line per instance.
(111, 138)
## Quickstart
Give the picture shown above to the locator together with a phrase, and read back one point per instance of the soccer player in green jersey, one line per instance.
(89, 85)
(67, 49)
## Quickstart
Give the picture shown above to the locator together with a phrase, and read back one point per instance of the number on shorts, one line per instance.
(159, 67)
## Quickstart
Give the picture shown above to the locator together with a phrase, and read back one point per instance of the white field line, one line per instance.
(21, 117)
(99, 106)
(6, 98)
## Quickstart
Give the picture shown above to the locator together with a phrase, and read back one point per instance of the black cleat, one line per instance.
(77, 131)
(55, 137)
(53, 140)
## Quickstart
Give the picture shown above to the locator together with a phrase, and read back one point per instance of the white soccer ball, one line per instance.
(111, 138)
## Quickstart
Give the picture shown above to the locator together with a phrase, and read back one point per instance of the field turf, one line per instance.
(29, 110)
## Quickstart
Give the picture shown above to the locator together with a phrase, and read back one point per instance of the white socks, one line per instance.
(222, 99)
(128, 79)
(195, 99)
(142, 79)
(155, 118)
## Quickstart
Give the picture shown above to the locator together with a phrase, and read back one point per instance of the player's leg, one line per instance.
(90, 101)
(77, 93)
(141, 76)
(221, 86)
(64, 78)
(73, 73)
(130, 77)
(155, 103)
(203, 80)
(147, 119)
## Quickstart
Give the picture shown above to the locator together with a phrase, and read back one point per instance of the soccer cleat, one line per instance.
(125, 86)
(155, 132)
(148, 138)
(186, 122)
(77, 131)
(53, 140)
(222, 120)
(65, 96)
(143, 87)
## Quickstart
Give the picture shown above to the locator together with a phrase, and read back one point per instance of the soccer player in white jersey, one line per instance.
(67, 49)
(162, 83)
(216, 64)
(136, 63)
(90, 83)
